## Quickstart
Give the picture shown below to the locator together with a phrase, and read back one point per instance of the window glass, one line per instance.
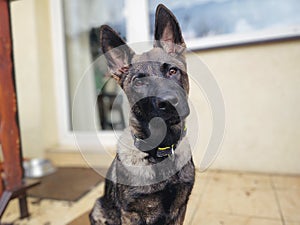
(89, 107)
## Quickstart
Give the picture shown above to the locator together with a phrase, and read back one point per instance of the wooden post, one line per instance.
(9, 131)
(1, 180)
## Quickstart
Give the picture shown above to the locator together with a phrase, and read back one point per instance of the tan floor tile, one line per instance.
(241, 180)
(201, 182)
(292, 223)
(227, 219)
(290, 204)
(286, 182)
(243, 201)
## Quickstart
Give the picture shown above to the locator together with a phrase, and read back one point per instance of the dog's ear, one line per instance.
(167, 31)
(117, 53)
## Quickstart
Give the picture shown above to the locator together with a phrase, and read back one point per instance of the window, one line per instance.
(81, 20)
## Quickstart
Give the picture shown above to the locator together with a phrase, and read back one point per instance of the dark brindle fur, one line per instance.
(144, 186)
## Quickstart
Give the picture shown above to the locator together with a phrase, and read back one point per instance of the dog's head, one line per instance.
(155, 82)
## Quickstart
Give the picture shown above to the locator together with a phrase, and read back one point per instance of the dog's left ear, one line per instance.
(167, 33)
(117, 53)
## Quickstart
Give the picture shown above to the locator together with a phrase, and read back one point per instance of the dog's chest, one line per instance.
(157, 202)
(138, 199)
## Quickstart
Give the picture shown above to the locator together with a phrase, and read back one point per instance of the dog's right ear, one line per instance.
(117, 53)
(167, 34)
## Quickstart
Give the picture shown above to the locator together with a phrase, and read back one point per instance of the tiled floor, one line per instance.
(218, 198)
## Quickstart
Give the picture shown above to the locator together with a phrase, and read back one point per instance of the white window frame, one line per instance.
(60, 74)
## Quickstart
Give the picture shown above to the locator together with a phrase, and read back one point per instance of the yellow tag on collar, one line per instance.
(165, 151)
(166, 148)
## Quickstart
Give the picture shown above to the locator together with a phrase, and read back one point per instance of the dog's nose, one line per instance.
(167, 100)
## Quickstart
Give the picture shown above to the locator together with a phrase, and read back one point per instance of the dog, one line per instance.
(152, 175)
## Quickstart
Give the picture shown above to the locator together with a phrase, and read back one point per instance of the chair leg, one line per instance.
(23, 206)
(7, 196)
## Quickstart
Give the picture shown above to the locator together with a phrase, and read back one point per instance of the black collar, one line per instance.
(160, 152)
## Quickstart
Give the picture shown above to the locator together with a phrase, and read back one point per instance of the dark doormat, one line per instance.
(68, 184)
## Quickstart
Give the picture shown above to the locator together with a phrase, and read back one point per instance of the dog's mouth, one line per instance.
(174, 115)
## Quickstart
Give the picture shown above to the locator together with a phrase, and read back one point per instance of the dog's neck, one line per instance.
(172, 136)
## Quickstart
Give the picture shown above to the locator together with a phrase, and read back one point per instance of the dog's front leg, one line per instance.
(106, 210)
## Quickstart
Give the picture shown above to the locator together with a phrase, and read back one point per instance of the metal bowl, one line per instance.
(37, 168)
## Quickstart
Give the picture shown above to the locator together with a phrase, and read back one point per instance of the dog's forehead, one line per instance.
(156, 57)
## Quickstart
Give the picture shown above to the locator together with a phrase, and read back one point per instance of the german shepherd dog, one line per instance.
(152, 175)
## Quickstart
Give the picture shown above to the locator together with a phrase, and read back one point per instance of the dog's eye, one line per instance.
(138, 82)
(172, 71)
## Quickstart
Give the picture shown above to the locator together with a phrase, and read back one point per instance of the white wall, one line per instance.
(261, 88)
(34, 76)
